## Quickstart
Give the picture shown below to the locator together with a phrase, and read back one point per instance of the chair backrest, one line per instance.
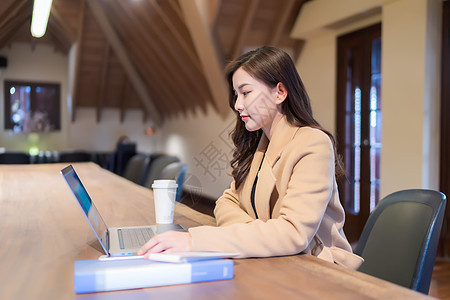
(12, 158)
(175, 171)
(400, 239)
(156, 166)
(74, 156)
(123, 154)
(136, 167)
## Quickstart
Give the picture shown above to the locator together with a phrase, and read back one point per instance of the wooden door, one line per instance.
(359, 124)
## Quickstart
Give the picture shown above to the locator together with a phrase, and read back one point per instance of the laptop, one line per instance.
(117, 241)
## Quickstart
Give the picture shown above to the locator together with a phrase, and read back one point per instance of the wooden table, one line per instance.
(43, 232)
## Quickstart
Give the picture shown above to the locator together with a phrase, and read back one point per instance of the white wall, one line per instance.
(202, 142)
(410, 85)
(411, 94)
(317, 68)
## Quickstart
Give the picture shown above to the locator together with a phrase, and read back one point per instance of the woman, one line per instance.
(284, 198)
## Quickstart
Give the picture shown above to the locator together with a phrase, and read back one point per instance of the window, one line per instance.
(32, 106)
(359, 119)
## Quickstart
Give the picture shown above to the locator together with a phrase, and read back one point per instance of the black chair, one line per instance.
(156, 167)
(400, 239)
(120, 157)
(175, 171)
(136, 167)
(100, 158)
(74, 156)
(14, 158)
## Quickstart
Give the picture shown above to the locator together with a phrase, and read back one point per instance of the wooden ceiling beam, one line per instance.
(125, 95)
(195, 15)
(16, 22)
(156, 85)
(125, 60)
(103, 79)
(298, 47)
(6, 38)
(77, 62)
(176, 8)
(33, 42)
(244, 28)
(149, 66)
(13, 10)
(166, 20)
(55, 15)
(142, 44)
(160, 54)
(9, 30)
(214, 6)
(126, 90)
(189, 79)
(276, 34)
(174, 61)
(198, 80)
(194, 72)
(61, 43)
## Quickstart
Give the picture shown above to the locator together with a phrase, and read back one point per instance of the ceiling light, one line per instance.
(41, 12)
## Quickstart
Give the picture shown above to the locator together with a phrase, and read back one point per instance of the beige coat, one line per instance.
(296, 199)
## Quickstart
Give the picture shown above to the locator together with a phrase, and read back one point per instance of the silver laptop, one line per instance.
(117, 241)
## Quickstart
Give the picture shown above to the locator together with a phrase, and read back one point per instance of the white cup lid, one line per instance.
(164, 184)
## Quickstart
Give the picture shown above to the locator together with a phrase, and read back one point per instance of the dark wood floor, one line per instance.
(440, 282)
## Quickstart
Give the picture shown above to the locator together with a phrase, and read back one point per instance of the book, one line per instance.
(110, 275)
(184, 257)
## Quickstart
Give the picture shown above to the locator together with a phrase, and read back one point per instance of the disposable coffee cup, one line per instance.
(164, 193)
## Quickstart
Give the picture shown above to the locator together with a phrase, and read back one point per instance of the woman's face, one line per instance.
(256, 103)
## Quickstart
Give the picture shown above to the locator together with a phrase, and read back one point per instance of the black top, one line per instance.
(252, 196)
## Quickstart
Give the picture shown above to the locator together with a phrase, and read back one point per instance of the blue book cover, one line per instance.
(99, 276)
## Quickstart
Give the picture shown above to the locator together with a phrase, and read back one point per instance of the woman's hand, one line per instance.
(171, 241)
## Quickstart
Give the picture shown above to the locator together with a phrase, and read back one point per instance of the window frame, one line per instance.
(54, 116)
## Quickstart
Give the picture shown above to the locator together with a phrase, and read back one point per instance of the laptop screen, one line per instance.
(85, 202)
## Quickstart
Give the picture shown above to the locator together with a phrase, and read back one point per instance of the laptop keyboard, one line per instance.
(132, 238)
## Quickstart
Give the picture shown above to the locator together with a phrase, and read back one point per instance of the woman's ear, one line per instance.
(281, 93)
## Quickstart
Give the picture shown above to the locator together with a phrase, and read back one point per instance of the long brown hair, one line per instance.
(270, 65)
